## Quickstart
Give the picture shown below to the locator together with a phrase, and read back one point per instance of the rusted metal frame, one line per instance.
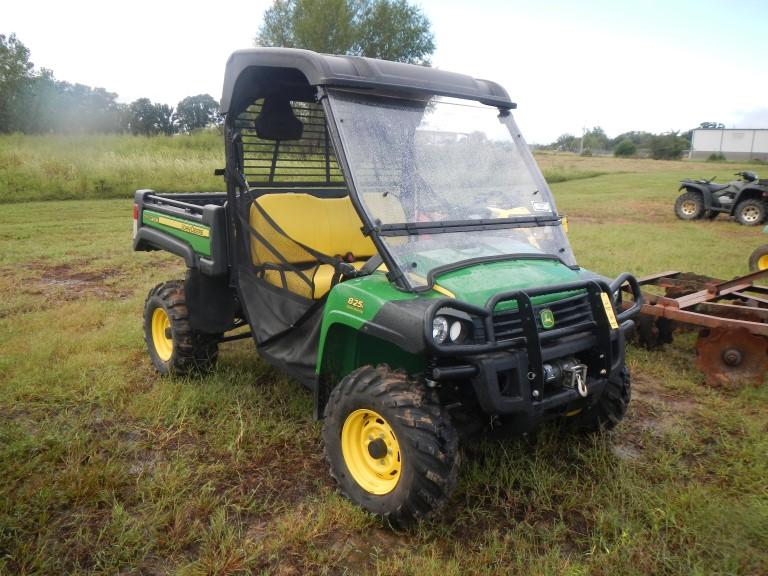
(720, 308)
(698, 297)
(705, 320)
(718, 287)
(652, 278)
(759, 289)
(751, 297)
(675, 279)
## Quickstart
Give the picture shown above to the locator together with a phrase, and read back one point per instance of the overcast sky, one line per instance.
(641, 65)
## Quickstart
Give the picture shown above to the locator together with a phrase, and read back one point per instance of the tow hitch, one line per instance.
(576, 377)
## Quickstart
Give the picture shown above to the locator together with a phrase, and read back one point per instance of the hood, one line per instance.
(476, 284)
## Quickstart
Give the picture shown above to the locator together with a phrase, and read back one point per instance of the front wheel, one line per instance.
(758, 260)
(751, 212)
(689, 206)
(174, 347)
(610, 408)
(391, 447)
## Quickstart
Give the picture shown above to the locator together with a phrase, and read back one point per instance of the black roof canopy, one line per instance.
(248, 69)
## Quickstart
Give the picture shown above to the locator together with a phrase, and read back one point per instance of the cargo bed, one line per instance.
(192, 226)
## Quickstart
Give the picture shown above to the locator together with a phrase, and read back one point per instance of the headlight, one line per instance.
(456, 333)
(439, 329)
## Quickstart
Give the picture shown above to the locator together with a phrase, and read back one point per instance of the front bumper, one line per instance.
(508, 376)
(503, 383)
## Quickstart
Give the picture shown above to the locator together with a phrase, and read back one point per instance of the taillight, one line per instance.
(135, 219)
(135, 211)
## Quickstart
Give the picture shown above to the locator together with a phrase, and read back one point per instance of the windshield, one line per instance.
(446, 180)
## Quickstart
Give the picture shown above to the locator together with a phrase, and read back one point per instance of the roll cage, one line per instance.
(256, 78)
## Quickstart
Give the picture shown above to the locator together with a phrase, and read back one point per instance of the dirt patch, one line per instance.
(287, 473)
(355, 551)
(652, 391)
(654, 409)
(70, 282)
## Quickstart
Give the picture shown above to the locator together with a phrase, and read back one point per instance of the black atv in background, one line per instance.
(745, 199)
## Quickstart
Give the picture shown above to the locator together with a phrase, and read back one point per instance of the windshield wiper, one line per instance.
(409, 228)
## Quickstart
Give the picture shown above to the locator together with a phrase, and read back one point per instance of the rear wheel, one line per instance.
(610, 408)
(391, 447)
(758, 260)
(750, 212)
(689, 206)
(174, 347)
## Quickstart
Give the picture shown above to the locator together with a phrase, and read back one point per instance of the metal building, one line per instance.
(733, 143)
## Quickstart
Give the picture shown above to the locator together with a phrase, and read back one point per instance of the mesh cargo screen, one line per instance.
(310, 160)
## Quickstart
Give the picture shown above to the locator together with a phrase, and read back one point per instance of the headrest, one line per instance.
(277, 122)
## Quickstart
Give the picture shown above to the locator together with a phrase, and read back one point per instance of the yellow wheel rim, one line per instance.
(161, 329)
(762, 262)
(371, 451)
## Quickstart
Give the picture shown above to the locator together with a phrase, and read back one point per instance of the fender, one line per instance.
(367, 321)
(749, 191)
(148, 239)
(703, 189)
(346, 348)
(397, 326)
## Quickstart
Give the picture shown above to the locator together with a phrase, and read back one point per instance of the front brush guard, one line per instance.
(598, 330)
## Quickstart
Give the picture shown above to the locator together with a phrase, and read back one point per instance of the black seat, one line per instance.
(717, 187)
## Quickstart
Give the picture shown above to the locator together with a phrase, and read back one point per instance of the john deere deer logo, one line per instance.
(547, 318)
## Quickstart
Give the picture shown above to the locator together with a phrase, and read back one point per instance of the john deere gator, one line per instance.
(387, 239)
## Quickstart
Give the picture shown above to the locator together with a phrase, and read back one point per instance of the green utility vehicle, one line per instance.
(389, 241)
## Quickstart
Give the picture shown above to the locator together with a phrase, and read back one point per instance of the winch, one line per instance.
(568, 372)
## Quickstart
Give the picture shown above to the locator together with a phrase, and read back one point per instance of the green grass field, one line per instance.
(106, 468)
(56, 167)
(60, 167)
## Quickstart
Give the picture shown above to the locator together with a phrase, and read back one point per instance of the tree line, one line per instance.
(664, 146)
(35, 102)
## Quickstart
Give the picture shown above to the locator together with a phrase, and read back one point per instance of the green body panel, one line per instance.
(353, 303)
(196, 235)
(350, 305)
(477, 284)
(347, 348)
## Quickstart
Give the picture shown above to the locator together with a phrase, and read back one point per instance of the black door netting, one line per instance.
(283, 152)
